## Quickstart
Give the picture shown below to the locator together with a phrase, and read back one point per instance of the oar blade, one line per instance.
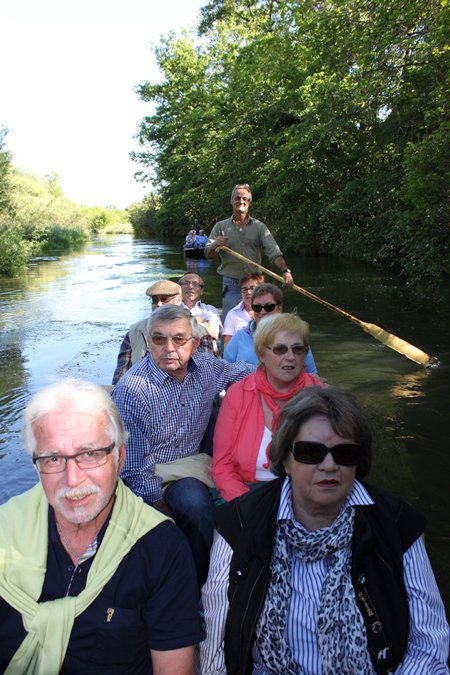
(396, 343)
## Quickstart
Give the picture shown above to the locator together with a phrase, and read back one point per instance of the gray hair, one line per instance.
(340, 409)
(86, 397)
(168, 313)
(241, 186)
(272, 324)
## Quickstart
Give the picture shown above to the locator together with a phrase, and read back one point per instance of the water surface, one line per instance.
(67, 316)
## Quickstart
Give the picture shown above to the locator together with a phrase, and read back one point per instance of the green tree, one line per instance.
(330, 110)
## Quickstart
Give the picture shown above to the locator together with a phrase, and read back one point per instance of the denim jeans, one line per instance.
(192, 506)
(231, 295)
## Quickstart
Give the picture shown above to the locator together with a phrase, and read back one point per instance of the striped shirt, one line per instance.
(166, 418)
(427, 648)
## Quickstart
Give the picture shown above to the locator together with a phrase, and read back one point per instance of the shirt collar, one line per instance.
(358, 496)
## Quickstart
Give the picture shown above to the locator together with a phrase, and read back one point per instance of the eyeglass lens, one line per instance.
(177, 340)
(279, 350)
(160, 298)
(267, 308)
(310, 452)
(247, 289)
(89, 459)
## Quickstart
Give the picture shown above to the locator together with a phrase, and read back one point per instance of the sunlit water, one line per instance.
(67, 316)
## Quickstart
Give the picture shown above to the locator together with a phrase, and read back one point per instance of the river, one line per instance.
(67, 316)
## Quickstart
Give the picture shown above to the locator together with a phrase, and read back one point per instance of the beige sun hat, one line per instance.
(163, 287)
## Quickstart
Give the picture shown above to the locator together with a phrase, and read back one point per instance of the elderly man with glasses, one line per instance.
(247, 236)
(166, 401)
(192, 286)
(134, 346)
(163, 292)
(91, 578)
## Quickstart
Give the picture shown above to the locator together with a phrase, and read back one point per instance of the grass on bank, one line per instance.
(42, 221)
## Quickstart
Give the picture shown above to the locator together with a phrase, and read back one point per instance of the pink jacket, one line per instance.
(238, 435)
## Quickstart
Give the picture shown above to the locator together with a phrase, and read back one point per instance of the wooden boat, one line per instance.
(194, 252)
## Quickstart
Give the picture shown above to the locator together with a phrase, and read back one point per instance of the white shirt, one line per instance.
(237, 318)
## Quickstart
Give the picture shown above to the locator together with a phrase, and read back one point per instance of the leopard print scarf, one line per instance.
(341, 631)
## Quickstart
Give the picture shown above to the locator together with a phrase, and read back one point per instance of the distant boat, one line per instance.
(194, 251)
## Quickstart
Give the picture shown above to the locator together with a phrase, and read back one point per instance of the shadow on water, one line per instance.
(67, 317)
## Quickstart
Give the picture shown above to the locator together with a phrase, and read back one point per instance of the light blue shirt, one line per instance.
(241, 348)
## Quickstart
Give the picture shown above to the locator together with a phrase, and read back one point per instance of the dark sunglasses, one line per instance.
(161, 298)
(279, 350)
(309, 452)
(267, 308)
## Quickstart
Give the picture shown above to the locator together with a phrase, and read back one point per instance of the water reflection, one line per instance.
(67, 317)
(410, 385)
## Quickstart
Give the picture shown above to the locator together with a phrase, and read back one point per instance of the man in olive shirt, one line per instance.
(246, 236)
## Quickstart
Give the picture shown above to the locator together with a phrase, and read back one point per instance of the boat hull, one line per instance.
(194, 252)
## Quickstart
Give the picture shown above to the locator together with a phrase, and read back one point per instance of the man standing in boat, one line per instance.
(165, 401)
(246, 236)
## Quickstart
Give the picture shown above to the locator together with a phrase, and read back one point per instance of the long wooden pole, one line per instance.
(388, 339)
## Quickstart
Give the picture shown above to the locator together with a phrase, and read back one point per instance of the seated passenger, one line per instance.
(265, 299)
(202, 238)
(239, 316)
(191, 239)
(91, 579)
(166, 401)
(249, 412)
(134, 345)
(317, 572)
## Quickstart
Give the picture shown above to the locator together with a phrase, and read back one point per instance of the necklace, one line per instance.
(87, 553)
(91, 547)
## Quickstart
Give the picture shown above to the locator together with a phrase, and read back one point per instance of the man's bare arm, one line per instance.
(173, 662)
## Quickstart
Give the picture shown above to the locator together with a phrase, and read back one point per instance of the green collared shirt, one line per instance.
(248, 241)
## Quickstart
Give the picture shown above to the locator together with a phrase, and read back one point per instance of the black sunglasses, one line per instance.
(267, 308)
(309, 452)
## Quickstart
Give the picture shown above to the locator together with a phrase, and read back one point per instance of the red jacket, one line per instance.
(238, 434)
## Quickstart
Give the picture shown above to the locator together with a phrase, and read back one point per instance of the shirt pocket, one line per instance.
(121, 642)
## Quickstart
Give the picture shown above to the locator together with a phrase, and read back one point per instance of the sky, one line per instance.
(67, 77)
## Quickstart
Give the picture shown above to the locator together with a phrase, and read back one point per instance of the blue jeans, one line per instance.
(192, 506)
(231, 295)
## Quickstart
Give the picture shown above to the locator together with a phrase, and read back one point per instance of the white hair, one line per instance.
(86, 397)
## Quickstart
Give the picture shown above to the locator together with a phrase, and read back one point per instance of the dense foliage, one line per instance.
(336, 112)
(37, 219)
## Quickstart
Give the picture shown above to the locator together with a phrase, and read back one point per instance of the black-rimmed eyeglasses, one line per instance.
(88, 459)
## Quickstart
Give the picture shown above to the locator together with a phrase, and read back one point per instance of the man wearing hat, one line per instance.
(134, 346)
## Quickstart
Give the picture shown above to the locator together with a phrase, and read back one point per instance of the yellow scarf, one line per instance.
(23, 558)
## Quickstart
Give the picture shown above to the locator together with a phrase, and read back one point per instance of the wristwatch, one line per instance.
(286, 269)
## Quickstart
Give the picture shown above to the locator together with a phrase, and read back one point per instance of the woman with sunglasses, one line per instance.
(317, 572)
(249, 412)
(266, 299)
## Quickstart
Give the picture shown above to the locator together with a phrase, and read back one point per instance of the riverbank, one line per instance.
(67, 316)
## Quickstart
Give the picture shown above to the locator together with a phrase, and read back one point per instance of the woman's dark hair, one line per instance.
(262, 289)
(341, 410)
